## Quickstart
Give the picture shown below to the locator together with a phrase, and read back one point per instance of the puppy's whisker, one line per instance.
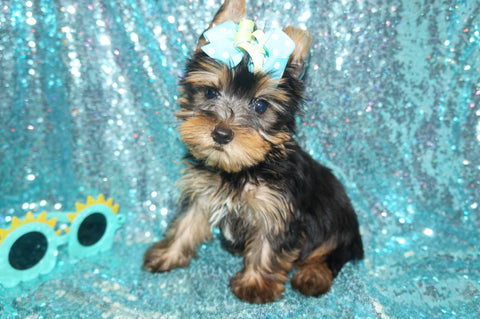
(185, 114)
(208, 113)
(265, 137)
(231, 117)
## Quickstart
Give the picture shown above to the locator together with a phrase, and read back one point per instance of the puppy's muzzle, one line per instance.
(222, 134)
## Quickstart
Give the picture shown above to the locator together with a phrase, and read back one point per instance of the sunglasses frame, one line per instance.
(10, 276)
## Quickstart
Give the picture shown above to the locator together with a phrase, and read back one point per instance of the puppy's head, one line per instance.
(232, 118)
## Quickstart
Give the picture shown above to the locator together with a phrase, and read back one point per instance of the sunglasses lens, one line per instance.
(28, 250)
(92, 228)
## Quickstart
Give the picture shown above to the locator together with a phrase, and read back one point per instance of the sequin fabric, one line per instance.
(88, 92)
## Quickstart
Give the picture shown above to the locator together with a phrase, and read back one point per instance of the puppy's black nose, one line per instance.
(222, 134)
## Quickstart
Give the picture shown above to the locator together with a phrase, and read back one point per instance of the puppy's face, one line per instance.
(233, 118)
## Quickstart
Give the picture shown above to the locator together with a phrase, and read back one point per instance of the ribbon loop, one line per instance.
(269, 53)
(244, 33)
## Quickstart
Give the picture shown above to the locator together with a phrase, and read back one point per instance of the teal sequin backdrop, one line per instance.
(88, 92)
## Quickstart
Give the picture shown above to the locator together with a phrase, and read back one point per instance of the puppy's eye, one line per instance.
(260, 106)
(210, 93)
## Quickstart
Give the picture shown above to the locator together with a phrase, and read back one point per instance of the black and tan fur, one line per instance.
(245, 174)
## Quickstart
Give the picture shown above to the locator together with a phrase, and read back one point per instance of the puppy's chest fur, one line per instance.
(236, 203)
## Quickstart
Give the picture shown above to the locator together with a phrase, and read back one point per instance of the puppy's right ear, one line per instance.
(234, 10)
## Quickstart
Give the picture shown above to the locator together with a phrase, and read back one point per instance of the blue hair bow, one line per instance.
(268, 52)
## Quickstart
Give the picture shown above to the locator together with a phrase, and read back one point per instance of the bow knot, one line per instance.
(268, 52)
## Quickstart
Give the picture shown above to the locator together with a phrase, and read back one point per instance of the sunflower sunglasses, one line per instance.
(29, 248)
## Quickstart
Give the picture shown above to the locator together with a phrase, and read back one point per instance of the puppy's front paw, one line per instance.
(253, 288)
(161, 257)
(312, 279)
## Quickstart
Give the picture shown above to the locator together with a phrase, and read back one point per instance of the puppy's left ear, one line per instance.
(303, 41)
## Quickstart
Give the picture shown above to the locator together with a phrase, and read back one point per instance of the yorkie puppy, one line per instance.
(246, 175)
